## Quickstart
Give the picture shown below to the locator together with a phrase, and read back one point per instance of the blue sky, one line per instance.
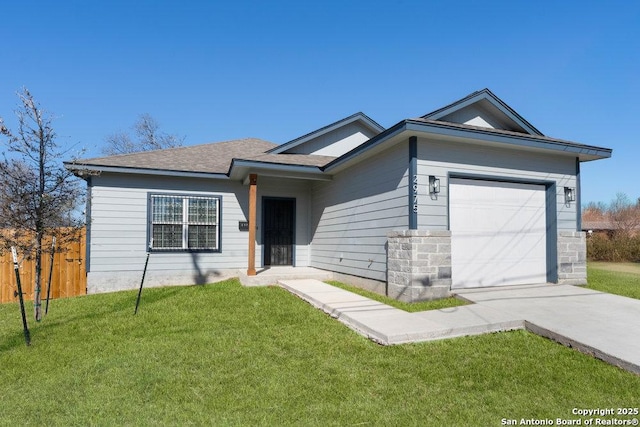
(214, 71)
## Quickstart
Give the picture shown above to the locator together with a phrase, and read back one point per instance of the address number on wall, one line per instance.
(415, 193)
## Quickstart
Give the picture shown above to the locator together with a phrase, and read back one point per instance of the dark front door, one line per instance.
(278, 224)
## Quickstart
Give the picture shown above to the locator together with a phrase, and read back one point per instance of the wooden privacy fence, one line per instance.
(68, 279)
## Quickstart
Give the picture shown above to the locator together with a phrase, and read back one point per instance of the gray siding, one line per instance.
(440, 159)
(119, 223)
(353, 213)
(472, 113)
(337, 142)
(118, 239)
(341, 225)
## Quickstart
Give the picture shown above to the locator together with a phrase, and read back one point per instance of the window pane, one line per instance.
(202, 237)
(184, 222)
(202, 210)
(166, 236)
(167, 209)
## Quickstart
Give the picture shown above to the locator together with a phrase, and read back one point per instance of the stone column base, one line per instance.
(572, 258)
(418, 265)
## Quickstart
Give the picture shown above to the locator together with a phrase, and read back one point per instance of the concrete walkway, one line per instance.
(596, 323)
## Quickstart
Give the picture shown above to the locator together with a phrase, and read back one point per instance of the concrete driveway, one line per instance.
(603, 325)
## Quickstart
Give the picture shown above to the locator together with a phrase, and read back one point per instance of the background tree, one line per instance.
(147, 136)
(595, 212)
(38, 195)
(624, 215)
(621, 220)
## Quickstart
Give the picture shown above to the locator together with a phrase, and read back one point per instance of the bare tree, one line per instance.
(595, 212)
(37, 194)
(624, 215)
(147, 136)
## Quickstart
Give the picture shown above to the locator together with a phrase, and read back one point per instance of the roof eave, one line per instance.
(83, 170)
(240, 168)
(583, 152)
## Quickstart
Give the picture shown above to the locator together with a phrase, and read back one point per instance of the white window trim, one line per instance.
(185, 222)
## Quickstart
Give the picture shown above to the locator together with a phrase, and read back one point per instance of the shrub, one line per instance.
(618, 248)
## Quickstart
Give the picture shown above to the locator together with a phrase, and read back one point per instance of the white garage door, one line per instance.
(498, 233)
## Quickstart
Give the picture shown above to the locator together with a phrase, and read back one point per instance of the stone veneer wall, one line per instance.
(572, 258)
(418, 265)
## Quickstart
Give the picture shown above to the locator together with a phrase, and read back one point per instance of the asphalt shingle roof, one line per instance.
(208, 158)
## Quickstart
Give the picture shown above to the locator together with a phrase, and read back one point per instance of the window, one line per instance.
(184, 222)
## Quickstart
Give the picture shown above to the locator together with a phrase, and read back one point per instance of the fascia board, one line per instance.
(371, 123)
(529, 141)
(487, 95)
(361, 117)
(512, 114)
(584, 152)
(239, 168)
(373, 142)
(458, 105)
(78, 167)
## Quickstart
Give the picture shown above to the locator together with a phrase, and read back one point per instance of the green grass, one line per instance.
(621, 267)
(615, 278)
(406, 306)
(227, 355)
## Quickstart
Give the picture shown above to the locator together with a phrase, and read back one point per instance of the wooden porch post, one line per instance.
(253, 184)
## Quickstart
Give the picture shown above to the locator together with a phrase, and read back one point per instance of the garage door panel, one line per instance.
(501, 274)
(498, 233)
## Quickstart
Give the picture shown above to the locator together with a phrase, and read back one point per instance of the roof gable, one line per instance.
(483, 109)
(334, 139)
(421, 127)
(479, 118)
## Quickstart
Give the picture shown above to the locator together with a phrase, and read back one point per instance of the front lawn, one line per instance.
(227, 355)
(411, 307)
(615, 278)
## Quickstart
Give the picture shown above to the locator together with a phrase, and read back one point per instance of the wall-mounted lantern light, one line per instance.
(569, 194)
(434, 185)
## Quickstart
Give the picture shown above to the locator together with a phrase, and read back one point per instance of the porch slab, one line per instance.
(271, 275)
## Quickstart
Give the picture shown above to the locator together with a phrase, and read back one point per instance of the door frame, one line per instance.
(265, 200)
